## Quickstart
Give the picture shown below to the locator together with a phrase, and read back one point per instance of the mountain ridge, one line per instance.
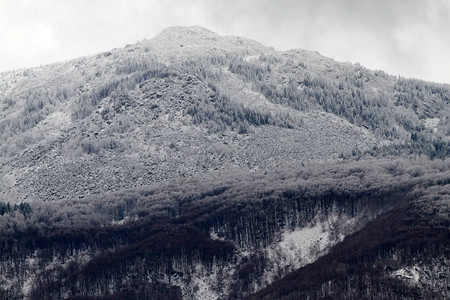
(61, 110)
(223, 93)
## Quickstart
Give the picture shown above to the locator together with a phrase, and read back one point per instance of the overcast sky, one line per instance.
(410, 38)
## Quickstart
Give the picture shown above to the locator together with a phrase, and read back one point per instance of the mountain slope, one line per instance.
(402, 254)
(190, 101)
(230, 236)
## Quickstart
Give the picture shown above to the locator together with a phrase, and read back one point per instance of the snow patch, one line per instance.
(56, 122)
(431, 122)
(215, 236)
(431, 276)
(301, 246)
(205, 283)
(293, 249)
(250, 58)
(409, 274)
(125, 220)
(303, 243)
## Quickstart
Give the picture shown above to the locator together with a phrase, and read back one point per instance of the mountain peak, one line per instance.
(198, 40)
(185, 35)
(187, 30)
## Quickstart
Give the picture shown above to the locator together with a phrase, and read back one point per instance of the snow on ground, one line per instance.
(432, 123)
(249, 58)
(32, 261)
(301, 246)
(292, 250)
(181, 43)
(409, 273)
(242, 93)
(34, 270)
(205, 284)
(55, 123)
(430, 276)
(303, 243)
(313, 124)
(203, 288)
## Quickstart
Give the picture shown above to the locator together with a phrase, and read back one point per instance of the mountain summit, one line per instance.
(198, 41)
(186, 33)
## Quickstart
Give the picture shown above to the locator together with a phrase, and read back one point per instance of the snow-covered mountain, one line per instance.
(204, 166)
(190, 101)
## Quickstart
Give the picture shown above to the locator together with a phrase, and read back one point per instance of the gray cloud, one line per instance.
(409, 38)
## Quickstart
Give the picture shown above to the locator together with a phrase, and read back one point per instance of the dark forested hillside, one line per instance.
(169, 235)
(402, 254)
(200, 166)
